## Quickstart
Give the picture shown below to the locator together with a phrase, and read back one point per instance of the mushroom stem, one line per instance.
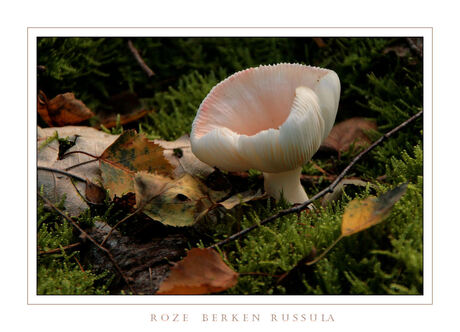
(287, 183)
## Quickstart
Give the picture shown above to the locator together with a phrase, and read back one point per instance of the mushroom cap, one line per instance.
(271, 118)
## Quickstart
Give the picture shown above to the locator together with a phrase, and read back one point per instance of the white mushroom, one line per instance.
(270, 118)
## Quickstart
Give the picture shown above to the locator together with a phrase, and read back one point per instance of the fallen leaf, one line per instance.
(94, 193)
(242, 198)
(202, 271)
(179, 153)
(62, 110)
(362, 214)
(399, 50)
(129, 154)
(338, 190)
(56, 185)
(348, 132)
(179, 205)
(42, 108)
(319, 42)
(148, 186)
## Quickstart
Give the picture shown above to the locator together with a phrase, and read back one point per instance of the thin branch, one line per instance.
(54, 170)
(139, 59)
(87, 236)
(59, 250)
(329, 189)
(118, 224)
(79, 264)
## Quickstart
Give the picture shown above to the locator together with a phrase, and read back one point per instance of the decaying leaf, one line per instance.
(348, 132)
(129, 154)
(400, 50)
(62, 110)
(179, 153)
(338, 190)
(202, 271)
(319, 42)
(131, 164)
(180, 204)
(94, 193)
(148, 186)
(56, 185)
(242, 198)
(362, 214)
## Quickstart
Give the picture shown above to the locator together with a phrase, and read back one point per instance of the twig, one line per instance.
(54, 170)
(117, 224)
(139, 59)
(329, 189)
(86, 235)
(79, 264)
(58, 250)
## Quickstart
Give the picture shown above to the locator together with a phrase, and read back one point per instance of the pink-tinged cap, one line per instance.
(271, 118)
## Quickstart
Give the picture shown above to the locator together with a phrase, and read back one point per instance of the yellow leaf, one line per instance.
(129, 154)
(362, 214)
(180, 204)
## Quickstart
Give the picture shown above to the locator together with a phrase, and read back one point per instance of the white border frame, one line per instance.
(427, 298)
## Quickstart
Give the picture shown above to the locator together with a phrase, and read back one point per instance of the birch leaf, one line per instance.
(362, 214)
(202, 271)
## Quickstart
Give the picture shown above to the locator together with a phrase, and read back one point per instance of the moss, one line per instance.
(60, 272)
(376, 83)
(386, 259)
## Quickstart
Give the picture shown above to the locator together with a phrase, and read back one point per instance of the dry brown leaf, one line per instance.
(202, 271)
(348, 132)
(338, 190)
(62, 110)
(362, 214)
(319, 42)
(399, 50)
(42, 108)
(242, 198)
(94, 193)
(56, 185)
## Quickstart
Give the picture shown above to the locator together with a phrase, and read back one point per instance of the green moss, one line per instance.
(60, 272)
(386, 259)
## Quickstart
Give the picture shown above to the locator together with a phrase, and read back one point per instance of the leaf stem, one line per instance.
(325, 251)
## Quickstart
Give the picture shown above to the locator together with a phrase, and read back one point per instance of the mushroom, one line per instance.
(270, 118)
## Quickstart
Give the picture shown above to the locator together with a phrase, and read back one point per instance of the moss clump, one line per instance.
(61, 273)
